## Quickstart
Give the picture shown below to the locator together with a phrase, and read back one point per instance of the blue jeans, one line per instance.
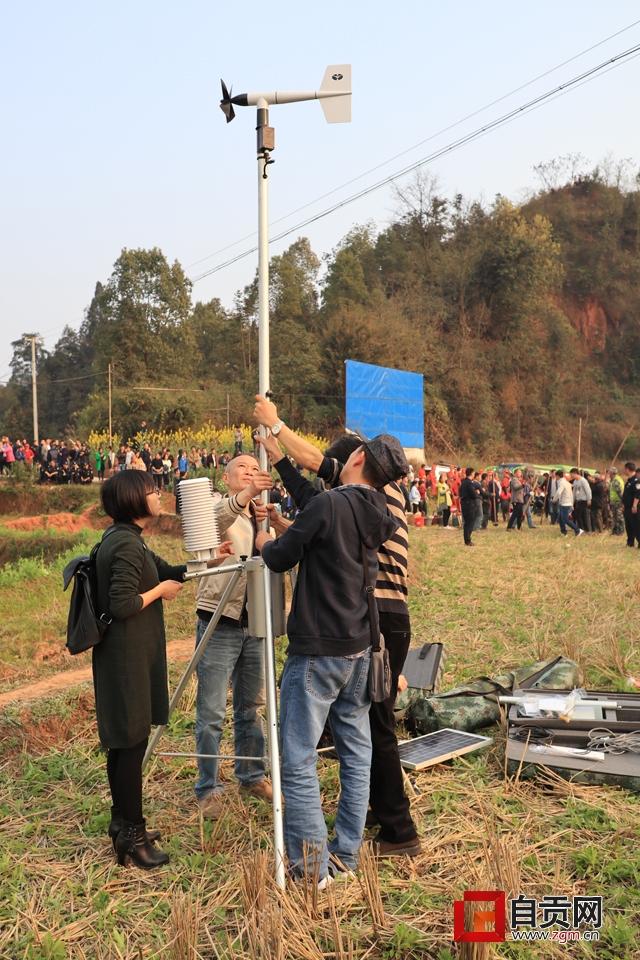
(231, 655)
(565, 521)
(314, 688)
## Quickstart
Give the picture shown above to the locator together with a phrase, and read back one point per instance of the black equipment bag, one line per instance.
(85, 626)
(379, 665)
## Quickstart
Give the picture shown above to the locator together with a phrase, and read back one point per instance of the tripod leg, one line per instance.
(193, 663)
(272, 736)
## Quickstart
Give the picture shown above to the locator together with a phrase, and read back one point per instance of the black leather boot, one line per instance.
(132, 846)
(116, 826)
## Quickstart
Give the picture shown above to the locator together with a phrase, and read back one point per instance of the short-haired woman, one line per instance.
(130, 662)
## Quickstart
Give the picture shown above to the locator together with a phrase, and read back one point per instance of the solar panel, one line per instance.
(438, 747)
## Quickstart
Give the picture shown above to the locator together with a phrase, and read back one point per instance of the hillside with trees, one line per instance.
(522, 318)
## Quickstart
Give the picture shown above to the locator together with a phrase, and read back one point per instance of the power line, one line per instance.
(421, 143)
(88, 376)
(45, 380)
(560, 90)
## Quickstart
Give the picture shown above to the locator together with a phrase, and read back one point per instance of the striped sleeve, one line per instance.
(393, 557)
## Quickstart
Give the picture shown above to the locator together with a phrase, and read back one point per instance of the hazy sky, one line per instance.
(112, 136)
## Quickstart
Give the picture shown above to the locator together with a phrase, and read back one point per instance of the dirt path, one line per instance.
(177, 650)
(69, 522)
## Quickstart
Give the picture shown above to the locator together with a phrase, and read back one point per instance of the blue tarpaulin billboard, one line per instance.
(383, 400)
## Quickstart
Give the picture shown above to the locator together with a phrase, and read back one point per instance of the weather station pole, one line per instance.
(266, 143)
(335, 98)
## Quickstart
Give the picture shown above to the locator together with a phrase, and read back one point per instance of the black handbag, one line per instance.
(379, 665)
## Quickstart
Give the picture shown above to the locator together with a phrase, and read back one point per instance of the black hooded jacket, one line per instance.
(329, 614)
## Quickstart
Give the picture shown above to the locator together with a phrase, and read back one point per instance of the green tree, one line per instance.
(293, 331)
(137, 318)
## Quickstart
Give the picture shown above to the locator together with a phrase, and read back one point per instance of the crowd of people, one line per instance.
(71, 461)
(580, 500)
(63, 462)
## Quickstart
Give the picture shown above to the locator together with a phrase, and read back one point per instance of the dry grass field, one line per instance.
(514, 598)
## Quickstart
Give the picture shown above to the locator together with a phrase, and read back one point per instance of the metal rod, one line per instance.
(213, 571)
(272, 735)
(191, 666)
(208, 756)
(264, 387)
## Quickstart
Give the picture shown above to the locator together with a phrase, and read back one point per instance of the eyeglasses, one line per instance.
(157, 492)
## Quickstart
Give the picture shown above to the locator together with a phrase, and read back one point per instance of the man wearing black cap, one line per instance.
(326, 672)
(390, 807)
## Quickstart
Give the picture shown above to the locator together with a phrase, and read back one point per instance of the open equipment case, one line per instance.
(529, 739)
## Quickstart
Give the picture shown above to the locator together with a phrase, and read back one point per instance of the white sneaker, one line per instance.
(580, 532)
(325, 882)
(322, 884)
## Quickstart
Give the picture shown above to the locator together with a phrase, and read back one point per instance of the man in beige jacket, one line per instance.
(232, 654)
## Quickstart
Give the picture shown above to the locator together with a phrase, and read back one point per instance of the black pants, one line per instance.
(517, 513)
(124, 770)
(468, 518)
(597, 522)
(387, 797)
(582, 515)
(632, 526)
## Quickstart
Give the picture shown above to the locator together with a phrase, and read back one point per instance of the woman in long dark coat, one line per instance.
(130, 662)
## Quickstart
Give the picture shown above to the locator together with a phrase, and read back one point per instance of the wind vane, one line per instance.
(334, 96)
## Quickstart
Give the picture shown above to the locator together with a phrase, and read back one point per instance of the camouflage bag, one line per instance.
(475, 704)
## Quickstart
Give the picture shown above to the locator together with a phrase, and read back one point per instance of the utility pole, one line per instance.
(34, 386)
(227, 411)
(110, 422)
(579, 440)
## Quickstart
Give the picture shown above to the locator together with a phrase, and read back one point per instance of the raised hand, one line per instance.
(259, 482)
(265, 411)
(273, 448)
(276, 520)
(260, 510)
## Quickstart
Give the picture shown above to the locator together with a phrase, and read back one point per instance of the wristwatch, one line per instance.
(277, 427)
